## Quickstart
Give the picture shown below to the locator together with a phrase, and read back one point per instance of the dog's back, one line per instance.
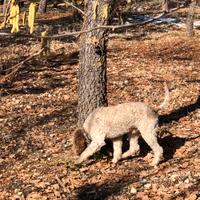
(114, 121)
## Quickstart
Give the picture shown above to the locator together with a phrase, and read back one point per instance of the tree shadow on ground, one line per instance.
(113, 187)
(180, 113)
(100, 192)
(10, 40)
(49, 67)
(171, 143)
(19, 132)
(106, 189)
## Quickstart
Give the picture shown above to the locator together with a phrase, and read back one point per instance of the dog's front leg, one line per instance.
(93, 147)
(117, 149)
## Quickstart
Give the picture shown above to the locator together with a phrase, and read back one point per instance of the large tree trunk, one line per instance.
(92, 88)
(42, 6)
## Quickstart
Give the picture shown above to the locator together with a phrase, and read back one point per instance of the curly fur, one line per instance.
(113, 122)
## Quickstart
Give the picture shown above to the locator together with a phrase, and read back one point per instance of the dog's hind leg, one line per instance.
(149, 135)
(133, 145)
(93, 147)
(117, 149)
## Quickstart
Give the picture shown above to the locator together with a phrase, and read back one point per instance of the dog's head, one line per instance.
(79, 141)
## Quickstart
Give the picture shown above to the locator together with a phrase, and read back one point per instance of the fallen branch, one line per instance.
(17, 67)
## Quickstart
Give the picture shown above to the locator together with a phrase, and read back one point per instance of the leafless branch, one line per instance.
(75, 7)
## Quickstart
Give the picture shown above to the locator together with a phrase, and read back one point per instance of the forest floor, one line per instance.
(38, 116)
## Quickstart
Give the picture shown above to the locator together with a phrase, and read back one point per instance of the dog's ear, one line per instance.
(79, 141)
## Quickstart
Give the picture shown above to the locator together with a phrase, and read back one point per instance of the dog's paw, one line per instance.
(130, 153)
(156, 161)
(154, 164)
(78, 161)
(115, 160)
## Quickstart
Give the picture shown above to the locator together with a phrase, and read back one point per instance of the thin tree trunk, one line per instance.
(165, 5)
(5, 4)
(190, 19)
(92, 88)
(42, 6)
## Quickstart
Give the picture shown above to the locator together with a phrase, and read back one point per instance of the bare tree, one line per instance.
(5, 4)
(92, 88)
(190, 19)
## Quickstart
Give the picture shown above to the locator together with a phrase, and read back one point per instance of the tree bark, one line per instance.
(42, 6)
(92, 89)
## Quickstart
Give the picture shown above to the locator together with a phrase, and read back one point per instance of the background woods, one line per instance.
(52, 78)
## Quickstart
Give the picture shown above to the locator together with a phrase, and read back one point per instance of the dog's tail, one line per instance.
(165, 102)
(79, 141)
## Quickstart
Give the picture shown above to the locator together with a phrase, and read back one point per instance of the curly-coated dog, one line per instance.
(113, 122)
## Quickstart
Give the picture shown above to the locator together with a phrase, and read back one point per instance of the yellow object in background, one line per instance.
(14, 17)
(31, 16)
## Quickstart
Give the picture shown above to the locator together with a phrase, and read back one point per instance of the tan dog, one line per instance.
(113, 122)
